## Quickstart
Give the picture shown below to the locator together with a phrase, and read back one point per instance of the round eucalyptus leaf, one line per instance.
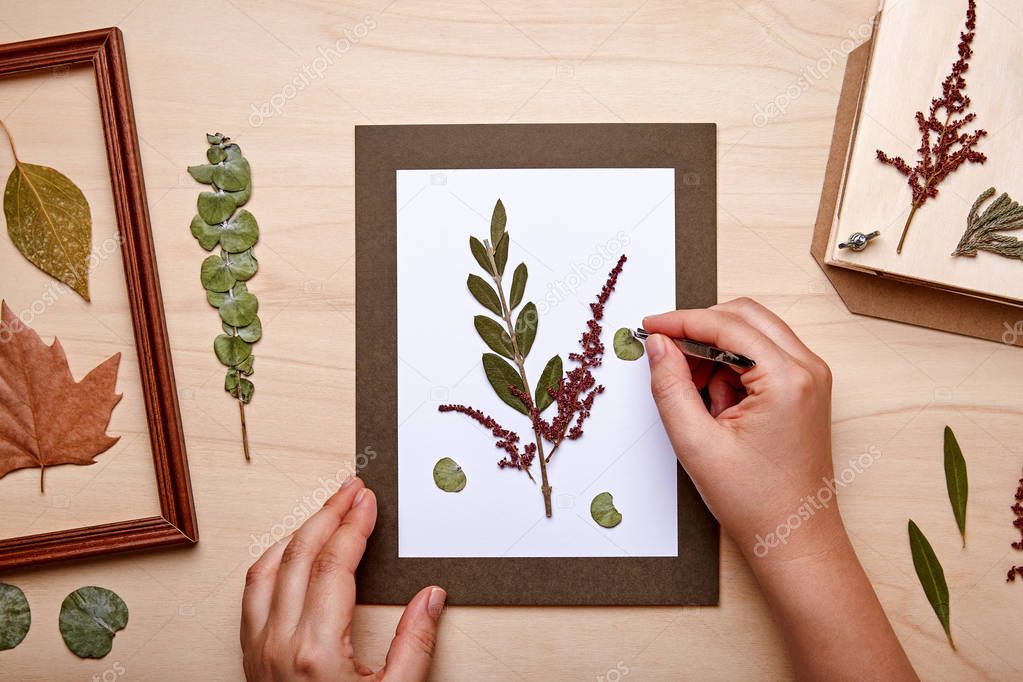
(448, 476)
(215, 207)
(203, 173)
(247, 389)
(232, 176)
(89, 619)
(15, 616)
(214, 138)
(242, 265)
(234, 152)
(239, 311)
(218, 298)
(231, 350)
(245, 366)
(251, 332)
(208, 235)
(240, 232)
(241, 198)
(215, 154)
(603, 511)
(231, 381)
(627, 346)
(216, 274)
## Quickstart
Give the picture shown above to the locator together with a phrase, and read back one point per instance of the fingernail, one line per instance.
(436, 602)
(655, 347)
(359, 497)
(348, 481)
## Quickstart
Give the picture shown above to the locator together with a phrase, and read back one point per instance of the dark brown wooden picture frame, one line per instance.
(103, 50)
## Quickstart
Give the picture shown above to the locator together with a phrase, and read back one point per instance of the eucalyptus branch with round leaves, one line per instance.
(221, 222)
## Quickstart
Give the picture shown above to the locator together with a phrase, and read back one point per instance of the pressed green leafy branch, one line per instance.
(222, 222)
(956, 480)
(932, 577)
(984, 230)
(510, 334)
(49, 221)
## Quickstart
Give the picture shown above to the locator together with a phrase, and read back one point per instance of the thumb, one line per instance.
(685, 416)
(416, 637)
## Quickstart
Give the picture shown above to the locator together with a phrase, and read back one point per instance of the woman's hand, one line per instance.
(763, 451)
(300, 596)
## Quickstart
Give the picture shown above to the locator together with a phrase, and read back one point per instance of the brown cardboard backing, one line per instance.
(885, 297)
(383, 578)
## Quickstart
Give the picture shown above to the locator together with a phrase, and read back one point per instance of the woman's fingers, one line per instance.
(259, 590)
(414, 641)
(722, 329)
(330, 599)
(302, 550)
(725, 389)
(769, 324)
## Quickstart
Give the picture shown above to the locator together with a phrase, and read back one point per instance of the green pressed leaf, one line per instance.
(518, 285)
(15, 616)
(242, 265)
(217, 299)
(627, 346)
(49, 222)
(242, 197)
(234, 152)
(239, 311)
(232, 176)
(484, 293)
(215, 207)
(932, 577)
(501, 254)
(246, 391)
(525, 328)
(208, 235)
(252, 332)
(501, 375)
(239, 233)
(215, 155)
(494, 335)
(231, 350)
(245, 366)
(479, 252)
(603, 511)
(498, 220)
(448, 476)
(216, 275)
(89, 619)
(203, 173)
(214, 138)
(956, 480)
(231, 381)
(550, 378)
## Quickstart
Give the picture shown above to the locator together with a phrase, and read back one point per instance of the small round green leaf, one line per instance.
(242, 265)
(603, 511)
(241, 198)
(215, 207)
(203, 173)
(216, 275)
(232, 176)
(208, 235)
(89, 619)
(15, 616)
(215, 154)
(245, 366)
(231, 350)
(240, 232)
(247, 389)
(252, 332)
(214, 138)
(627, 346)
(448, 476)
(240, 310)
(217, 299)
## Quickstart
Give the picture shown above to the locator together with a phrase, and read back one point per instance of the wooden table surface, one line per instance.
(289, 80)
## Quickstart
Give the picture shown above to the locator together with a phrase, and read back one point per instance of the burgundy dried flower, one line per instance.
(1017, 509)
(952, 145)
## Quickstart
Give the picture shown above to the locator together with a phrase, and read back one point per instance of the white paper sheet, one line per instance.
(569, 226)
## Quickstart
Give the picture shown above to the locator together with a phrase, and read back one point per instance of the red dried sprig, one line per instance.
(951, 146)
(506, 440)
(1017, 509)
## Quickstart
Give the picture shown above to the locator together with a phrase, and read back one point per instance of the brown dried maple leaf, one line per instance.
(46, 418)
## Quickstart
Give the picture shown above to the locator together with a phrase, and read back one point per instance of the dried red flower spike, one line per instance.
(1017, 509)
(945, 145)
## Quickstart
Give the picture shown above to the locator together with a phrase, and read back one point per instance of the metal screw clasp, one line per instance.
(858, 241)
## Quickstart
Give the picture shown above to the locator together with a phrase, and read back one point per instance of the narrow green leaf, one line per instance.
(448, 476)
(15, 616)
(956, 480)
(501, 375)
(215, 207)
(518, 285)
(932, 577)
(525, 328)
(550, 378)
(479, 252)
(501, 254)
(603, 511)
(484, 293)
(494, 335)
(89, 619)
(497, 223)
(627, 346)
(231, 350)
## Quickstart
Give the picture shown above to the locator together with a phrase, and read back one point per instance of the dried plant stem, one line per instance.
(245, 429)
(506, 315)
(10, 141)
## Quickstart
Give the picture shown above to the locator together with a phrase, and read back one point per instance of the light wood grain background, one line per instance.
(199, 66)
